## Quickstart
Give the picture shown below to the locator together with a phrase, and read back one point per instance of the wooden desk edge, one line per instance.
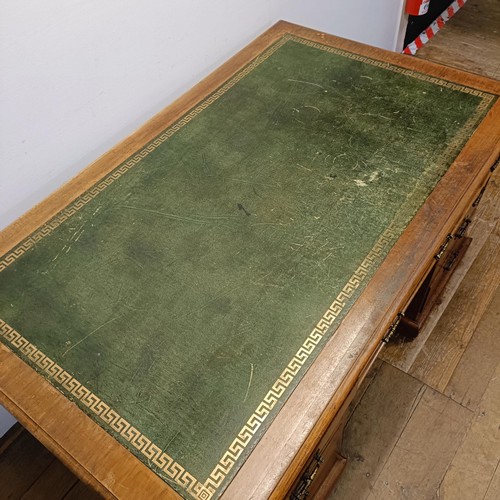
(70, 447)
(428, 67)
(288, 456)
(331, 377)
(82, 446)
(40, 213)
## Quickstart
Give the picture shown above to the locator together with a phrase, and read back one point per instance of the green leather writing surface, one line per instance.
(180, 300)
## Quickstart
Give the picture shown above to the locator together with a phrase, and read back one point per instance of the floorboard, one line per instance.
(441, 399)
(55, 482)
(479, 361)
(21, 464)
(28, 471)
(478, 455)
(493, 492)
(439, 357)
(470, 40)
(422, 454)
(387, 405)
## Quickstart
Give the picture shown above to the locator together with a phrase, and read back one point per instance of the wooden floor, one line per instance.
(470, 40)
(426, 424)
(29, 472)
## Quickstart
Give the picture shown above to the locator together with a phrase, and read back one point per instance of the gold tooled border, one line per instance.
(107, 415)
(164, 462)
(171, 470)
(89, 195)
(388, 237)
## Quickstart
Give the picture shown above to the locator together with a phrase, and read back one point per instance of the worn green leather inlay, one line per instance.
(178, 291)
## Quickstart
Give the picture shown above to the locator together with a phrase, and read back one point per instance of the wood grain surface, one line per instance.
(283, 451)
(479, 360)
(470, 41)
(493, 491)
(408, 473)
(477, 457)
(12, 461)
(374, 429)
(56, 481)
(29, 472)
(484, 222)
(436, 363)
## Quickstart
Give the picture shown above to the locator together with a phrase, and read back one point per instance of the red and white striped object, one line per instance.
(428, 33)
(417, 7)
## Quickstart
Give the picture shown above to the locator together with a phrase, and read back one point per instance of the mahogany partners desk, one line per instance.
(192, 314)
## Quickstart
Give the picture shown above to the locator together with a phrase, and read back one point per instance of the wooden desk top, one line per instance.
(209, 290)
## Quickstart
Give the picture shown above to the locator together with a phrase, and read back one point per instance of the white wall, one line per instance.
(375, 22)
(6, 421)
(77, 76)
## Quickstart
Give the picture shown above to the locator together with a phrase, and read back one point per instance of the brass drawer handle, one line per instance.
(393, 328)
(443, 247)
(302, 492)
(463, 227)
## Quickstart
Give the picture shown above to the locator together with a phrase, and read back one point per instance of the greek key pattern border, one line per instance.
(61, 378)
(92, 193)
(164, 462)
(161, 460)
(297, 362)
(239, 444)
(392, 67)
(100, 186)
